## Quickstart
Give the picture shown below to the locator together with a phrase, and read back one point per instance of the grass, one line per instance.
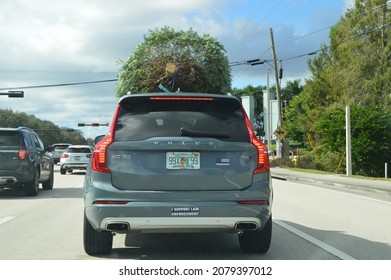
(314, 171)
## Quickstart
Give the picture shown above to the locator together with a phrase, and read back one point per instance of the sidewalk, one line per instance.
(333, 180)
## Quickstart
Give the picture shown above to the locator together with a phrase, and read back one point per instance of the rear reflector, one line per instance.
(110, 202)
(253, 202)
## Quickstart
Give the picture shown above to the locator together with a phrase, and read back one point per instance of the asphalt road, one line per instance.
(311, 222)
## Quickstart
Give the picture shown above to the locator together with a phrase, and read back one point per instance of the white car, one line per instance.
(75, 157)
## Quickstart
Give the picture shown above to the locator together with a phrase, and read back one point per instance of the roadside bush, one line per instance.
(281, 162)
(305, 161)
(330, 162)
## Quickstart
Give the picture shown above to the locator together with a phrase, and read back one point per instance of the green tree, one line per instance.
(48, 131)
(292, 89)
(360, 47)
(200, 64)
(370, 131)
(354, 71)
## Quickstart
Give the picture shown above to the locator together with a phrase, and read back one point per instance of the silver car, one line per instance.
(58, 150)
(75, 157)
(178, 163)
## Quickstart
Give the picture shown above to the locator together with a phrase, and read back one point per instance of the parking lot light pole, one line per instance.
(13, 94)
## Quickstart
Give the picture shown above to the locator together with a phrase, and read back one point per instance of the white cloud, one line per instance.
(52, 41)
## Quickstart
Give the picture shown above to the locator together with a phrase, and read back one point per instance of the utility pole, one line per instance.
(279, 122)
(268, 120)
(348, 143)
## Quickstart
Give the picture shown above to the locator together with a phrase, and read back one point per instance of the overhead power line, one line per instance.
(61, 85)
(250, 62)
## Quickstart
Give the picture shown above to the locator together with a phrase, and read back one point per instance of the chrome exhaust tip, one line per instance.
(118, 227)
(242, 226)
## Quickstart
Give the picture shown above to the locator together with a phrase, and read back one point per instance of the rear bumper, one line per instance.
(181, 224)
(178, 216)
(175, 211)
(8, 180)
(74, 165)
(17, 177)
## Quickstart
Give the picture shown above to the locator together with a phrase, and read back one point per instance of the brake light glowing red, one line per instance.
(23, 153)
(263, 157)
(64, 156)
(182, 98)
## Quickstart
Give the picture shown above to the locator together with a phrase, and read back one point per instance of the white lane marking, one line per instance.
(313, 240)
(359, 196)
(6, 219)
(345, 192)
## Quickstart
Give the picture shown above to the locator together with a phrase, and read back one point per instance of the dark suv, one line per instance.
(24, 162)
(178, 163)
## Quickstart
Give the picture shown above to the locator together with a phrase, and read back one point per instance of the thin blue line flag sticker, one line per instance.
(222, 161)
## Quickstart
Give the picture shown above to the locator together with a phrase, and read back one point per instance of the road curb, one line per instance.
(334, 184)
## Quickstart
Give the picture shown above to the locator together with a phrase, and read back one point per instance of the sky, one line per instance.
(55, 42)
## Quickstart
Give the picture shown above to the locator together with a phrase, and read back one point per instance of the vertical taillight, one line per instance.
(99, 162)
(23, 153)
(263, 157)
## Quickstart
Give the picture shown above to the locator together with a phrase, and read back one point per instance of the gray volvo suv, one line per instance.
(178, 163)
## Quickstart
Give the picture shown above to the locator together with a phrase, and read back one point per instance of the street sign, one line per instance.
(280, 133)
(13, 94)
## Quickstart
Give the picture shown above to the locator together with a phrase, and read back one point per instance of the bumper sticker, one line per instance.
(185, 211)
(222, 161)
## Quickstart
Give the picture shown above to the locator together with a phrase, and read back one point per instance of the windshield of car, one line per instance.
(9, 138)
(60, 146)
(79, 150)
(144, 118)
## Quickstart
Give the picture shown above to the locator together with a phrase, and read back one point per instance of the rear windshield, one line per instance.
(60, 146)
(80, 150)
(10, 138)
(143, 118)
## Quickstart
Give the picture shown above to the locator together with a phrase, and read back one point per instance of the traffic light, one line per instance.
(13, 94)
(253, 62)
(280, 73)
(92, 124)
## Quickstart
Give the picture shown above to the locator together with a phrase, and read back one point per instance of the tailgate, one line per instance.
(9, 159)
(181, 164)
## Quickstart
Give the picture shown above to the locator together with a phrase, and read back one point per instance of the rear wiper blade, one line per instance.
(196, 133)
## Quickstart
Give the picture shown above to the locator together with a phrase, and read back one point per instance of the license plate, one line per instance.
(183, 160)
(76, 158)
